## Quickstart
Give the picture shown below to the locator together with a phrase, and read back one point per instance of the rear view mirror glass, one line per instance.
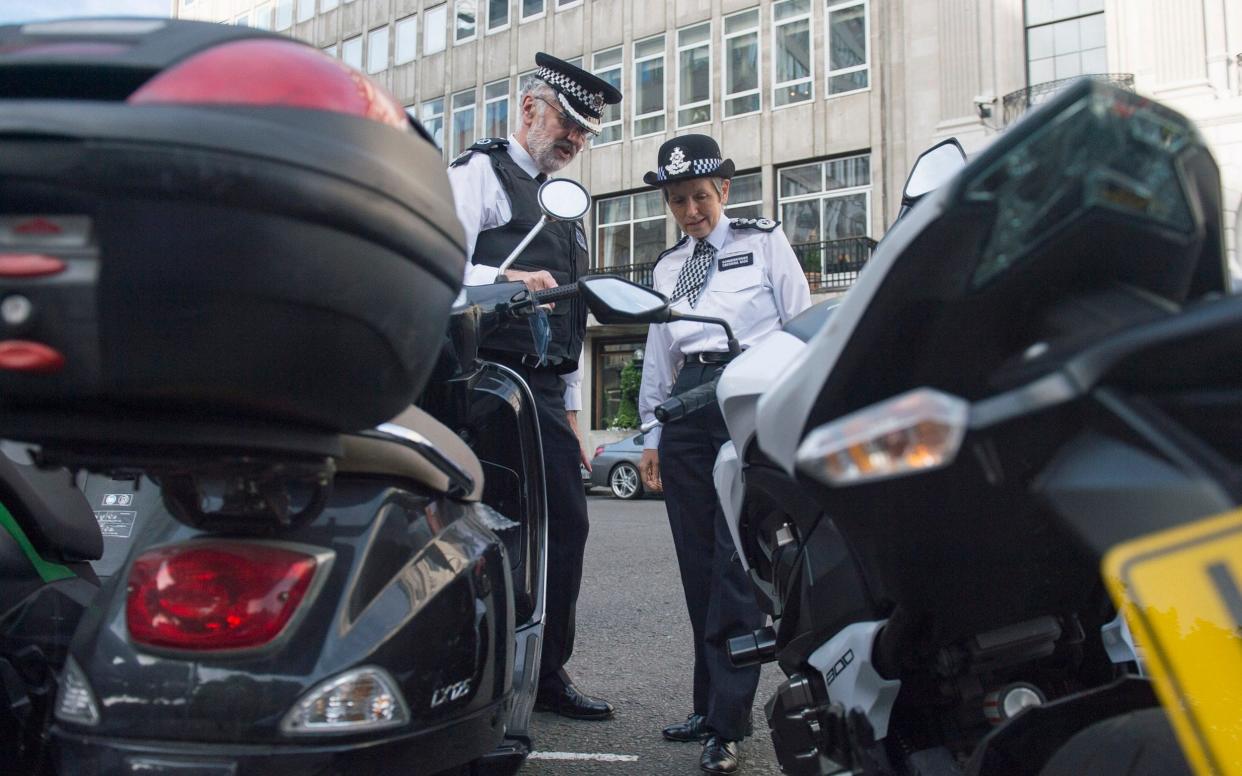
(615, 299)
(934, 168)
(563, 199)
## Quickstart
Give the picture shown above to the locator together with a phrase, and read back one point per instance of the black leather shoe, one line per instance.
(693, 729)
(719, 756)
(568, 702)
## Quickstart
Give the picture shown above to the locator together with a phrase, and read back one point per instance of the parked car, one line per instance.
(615, 466)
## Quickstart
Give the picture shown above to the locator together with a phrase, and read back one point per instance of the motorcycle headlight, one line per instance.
(357, 701)
(914, 432)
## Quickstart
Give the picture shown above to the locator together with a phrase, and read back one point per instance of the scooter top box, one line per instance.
(208, 221)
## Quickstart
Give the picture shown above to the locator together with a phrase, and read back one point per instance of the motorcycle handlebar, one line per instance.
(567, 291)
(683, 404)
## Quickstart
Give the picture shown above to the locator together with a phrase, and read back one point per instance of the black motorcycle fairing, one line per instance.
(455, 586)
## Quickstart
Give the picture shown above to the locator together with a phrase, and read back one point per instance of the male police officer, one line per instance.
(495, 185)
(743, 271)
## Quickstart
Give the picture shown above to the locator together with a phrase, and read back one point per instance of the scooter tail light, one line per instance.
(219, 595)
(360, 700)
(272, 73)
(915, 432)
(75, 702)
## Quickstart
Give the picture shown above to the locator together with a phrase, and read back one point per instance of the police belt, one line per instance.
(710, 358)
(527, 360)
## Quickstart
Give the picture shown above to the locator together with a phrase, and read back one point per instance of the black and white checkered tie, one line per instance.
(694, 273)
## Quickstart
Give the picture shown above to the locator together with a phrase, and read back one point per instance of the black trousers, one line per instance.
(717, 590)
(567, 522)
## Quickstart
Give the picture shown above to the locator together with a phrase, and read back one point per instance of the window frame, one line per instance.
(706, 42)
(422, 117)
(508, 18)
(242, 19)
(597, 371)
(297, 11)
(597, 254)
(750, 202)
(620, 68)
(491, 101)
(266, 10)
(451, 122)
(663, 112)
(428, 27)
(867, 190)
(370, 50)
(473, 36)
(565, 6)
(1051, 22)
(725, 37)
(809, 78)
(328, 5)
(523, 18)
(837, 5)
(291, 5)
(396, 40)
(362, 59)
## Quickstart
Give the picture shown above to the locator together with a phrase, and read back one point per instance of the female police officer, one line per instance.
(741, 270)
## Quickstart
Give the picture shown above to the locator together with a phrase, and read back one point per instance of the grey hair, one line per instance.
(538, 88)
(717, 182)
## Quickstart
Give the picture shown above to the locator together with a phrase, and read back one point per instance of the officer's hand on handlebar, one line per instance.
(535, 281)
(649, 467)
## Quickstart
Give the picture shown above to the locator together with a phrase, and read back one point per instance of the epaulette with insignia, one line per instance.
(676, 245)
(762, 224)
(484, 144)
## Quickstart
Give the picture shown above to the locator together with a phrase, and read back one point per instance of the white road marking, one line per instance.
(593, 756)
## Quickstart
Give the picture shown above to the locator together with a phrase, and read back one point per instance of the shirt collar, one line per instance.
(720, 235)
(522, 157)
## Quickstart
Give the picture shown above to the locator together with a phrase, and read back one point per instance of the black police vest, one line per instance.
(560, 248)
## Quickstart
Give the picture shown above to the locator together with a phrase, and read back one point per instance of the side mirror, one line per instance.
(617, 300)
(562, 199)
(933, 169)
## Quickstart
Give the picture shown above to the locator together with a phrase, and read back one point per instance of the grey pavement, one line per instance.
(633, 647)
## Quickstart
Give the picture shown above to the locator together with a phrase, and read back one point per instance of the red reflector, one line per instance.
(215, 595)
(38, 225)
(276, 73)
(25, 356)
(29, 265)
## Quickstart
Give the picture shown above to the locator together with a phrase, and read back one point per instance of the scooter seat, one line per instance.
(365, 455)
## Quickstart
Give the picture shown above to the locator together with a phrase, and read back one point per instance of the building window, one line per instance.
(497, 15)
(848, 47)
(434, 30)
(561, 4)
(261, 18)
(407, 40)
(330, 50)
(284, 14)
(432, 118)
(824, 201)
(694, 75)
(377, 50)
(1064, 39)
(466, 27)
(629, 230)
(351, 52)
(791, 52)
(243, 20)
(607, 65)
(742, 93)
(532, 9)
(745, 196)
(328, 5)
(496, 109)
(649, 84)
(463, 122)
(306, 9)
(610, 357)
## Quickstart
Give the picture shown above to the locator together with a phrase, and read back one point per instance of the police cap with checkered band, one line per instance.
(686, 157)
(582, 95)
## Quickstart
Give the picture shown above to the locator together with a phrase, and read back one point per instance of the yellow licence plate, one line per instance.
(1181, 591)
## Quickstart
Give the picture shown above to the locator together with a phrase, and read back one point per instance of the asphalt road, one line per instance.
(633, 647)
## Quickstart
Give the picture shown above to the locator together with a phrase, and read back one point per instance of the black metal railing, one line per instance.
(637, 273)
(1016, 103)
(834, 264)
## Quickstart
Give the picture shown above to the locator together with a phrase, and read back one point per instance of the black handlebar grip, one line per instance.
(684, 404)
(567, 291)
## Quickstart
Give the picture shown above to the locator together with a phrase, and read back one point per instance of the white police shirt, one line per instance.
(482, 204)
(755, 283)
